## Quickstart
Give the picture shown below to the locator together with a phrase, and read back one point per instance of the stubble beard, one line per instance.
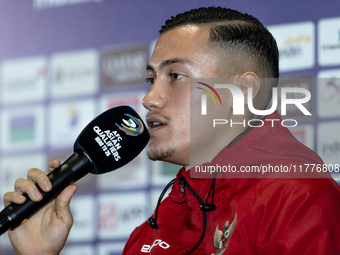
(161, 153)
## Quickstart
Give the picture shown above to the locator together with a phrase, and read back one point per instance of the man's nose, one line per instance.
(155, 98)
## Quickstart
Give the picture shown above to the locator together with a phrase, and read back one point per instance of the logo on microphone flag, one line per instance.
(131, 126)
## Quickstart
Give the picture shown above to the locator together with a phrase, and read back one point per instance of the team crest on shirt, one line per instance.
(222, 237)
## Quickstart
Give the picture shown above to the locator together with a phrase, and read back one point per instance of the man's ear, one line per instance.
(249, 80)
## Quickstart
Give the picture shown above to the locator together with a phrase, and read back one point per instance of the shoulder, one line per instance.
(289, 188)
(289, 211)
(297, 196)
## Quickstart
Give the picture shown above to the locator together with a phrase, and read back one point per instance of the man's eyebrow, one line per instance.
(168, 62)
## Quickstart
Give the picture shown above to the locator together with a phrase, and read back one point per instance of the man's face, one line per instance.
(179, 55)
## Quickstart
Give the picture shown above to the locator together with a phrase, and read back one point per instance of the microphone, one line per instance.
(108, 142)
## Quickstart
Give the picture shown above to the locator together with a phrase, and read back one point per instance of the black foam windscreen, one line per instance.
(113, 139)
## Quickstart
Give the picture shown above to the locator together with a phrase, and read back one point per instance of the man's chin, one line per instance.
(160, 154)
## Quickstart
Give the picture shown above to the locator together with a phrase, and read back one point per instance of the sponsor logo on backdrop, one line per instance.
(119, 214)
(329, 93)
(74, 73)
(296, 43)
(331, 149)
(329, 41)
(47, 4)
(23, 80)
(83, 211)
(331, 90)
(22, 128)
(124, 67)
(75, 115)
(328, 146)
(292, 46)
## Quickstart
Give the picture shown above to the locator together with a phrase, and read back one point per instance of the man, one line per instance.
(210, 215)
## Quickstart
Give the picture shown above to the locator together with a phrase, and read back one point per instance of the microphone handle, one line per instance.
(74, 168)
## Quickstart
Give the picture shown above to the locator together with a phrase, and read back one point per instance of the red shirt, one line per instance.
(252, 215)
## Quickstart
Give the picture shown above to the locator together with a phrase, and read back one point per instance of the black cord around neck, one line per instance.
(153, 221)
(210, 207)
(205, 207)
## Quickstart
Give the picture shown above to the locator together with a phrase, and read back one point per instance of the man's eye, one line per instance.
(175, 76)
(150, 80)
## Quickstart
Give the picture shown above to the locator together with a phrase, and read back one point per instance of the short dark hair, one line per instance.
(235, 31)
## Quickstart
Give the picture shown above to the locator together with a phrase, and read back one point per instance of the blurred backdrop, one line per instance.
(62, 62)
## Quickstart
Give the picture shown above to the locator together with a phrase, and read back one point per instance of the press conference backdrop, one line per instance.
(62, 62)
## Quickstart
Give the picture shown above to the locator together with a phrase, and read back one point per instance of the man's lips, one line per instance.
(155, 122)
